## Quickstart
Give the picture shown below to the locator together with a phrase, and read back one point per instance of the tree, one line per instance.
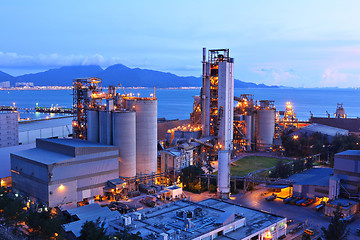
(337, 229)
(281, 170)
(190, 177)
(93, 231)
(44, 225)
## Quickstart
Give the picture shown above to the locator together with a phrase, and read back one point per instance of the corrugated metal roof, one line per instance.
(315, 127)
(89, 212)
(314, 176)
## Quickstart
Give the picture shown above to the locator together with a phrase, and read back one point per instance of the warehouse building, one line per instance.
(64, 171)
(323, 129)
(347, 171)
(208, 219)
(312, 183)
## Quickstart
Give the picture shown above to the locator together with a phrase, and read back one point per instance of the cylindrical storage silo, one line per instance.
(248, 124)
(124, 137)
(93, 125)
(266, 129)
(105, 127)
(146, 135)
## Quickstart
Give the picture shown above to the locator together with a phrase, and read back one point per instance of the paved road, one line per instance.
(314, 219)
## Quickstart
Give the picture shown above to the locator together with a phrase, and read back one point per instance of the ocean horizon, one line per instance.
(177, 103)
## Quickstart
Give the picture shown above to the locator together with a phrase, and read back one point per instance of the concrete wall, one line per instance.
(83, 177)
(347, 169)
(9, 133)
(30, 177)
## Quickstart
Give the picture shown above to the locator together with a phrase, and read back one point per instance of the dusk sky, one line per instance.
(291, 43)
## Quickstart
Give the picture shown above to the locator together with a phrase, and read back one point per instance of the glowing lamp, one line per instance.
(61, 187)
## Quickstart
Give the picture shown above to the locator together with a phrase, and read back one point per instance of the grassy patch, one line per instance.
(246, 165)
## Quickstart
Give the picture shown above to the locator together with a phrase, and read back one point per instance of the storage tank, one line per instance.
(124, 137)
(105, 127)
(266, 129)
(146, 134)
(93, 125)
(248, 125)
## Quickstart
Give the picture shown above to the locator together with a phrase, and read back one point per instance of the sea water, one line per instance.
(178, 103)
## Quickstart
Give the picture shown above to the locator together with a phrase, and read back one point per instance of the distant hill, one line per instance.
(118, 73)
(4, 77)
(60, 76)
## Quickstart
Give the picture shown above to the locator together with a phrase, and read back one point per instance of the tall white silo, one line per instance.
(124, 137)
(146, 134)
(93, 125)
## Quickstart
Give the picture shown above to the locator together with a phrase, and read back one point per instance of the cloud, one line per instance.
(14, 60)
(335, 78)
(276, 76)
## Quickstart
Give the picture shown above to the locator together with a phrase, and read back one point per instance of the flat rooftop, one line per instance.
(344, 203)
(349, 153)
(212, 214)
(314, 176)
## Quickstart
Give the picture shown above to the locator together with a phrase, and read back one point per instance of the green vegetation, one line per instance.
(337, 229)
(317, 143)
(250, 164)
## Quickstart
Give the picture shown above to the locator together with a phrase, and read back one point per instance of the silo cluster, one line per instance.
(132, 128)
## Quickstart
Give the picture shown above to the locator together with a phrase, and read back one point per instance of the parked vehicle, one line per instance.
(287, 200)
(309, 232)
(319, 207)
(299, 202)
(271, 197)
(358, 230)
(307, 202)
(293, 201)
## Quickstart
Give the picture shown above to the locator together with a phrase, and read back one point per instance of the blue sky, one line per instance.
(292, 43)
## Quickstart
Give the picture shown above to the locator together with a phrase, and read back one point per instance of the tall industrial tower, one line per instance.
(217, 96)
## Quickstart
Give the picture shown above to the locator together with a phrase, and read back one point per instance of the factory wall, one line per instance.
(347, 169)
(30, 177)
(82, 178)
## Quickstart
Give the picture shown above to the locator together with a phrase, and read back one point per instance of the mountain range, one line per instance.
(113, 75)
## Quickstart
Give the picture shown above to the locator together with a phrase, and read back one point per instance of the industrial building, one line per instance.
(122, 120)
(328, 131)
(208, 219)
(347, 174)
(313, 183)
(90, 212)
(64, 171)
(9, 135)
(339, 121)
(348, 207)
(177, 158)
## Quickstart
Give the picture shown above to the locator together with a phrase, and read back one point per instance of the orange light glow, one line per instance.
(295, 137)
(61, 187)
(268, 235)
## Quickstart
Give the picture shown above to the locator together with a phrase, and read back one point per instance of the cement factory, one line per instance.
(120, 148)
(216, 127)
